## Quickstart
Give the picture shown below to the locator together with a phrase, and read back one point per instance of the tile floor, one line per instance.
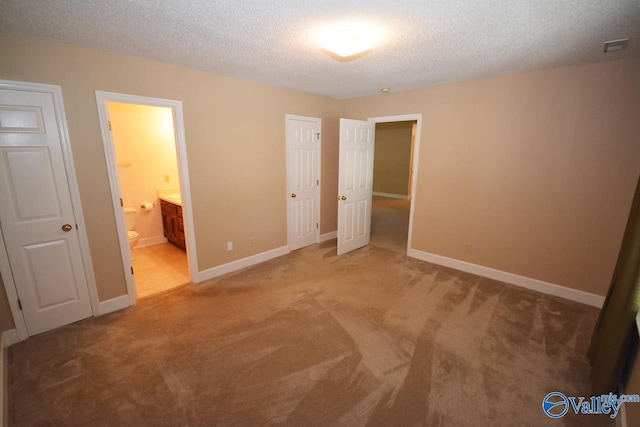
(158, 268)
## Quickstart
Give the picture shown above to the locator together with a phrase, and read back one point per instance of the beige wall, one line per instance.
(145, 149)
(392, 158)
(235, 146)
(537, 170)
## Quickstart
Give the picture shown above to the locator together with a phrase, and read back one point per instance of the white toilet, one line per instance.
(130, 216)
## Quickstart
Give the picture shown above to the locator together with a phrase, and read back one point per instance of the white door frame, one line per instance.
(416, 157)
(74, 192)
(114, 181)
(318, 168)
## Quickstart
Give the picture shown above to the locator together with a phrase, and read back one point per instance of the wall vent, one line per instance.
(615, 45)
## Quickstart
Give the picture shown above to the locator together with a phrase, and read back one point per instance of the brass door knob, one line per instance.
(293, 195)
(67, 227)
(343, 198)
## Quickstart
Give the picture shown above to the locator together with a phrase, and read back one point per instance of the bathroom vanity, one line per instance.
(172, 222)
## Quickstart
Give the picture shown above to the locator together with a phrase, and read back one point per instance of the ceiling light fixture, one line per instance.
(346, 42)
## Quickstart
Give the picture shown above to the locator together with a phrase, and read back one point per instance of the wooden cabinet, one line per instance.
(173, 224)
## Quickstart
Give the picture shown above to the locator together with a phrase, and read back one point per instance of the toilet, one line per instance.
(130, 217)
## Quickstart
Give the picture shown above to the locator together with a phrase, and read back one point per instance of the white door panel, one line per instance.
(355, 184)
(30, 175)
(45, 259)
(303, 176)
(50, 260)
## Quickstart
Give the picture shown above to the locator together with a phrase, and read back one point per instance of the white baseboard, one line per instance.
(514, 279)
(113, 304)
(210, 273)
(391, 196)
(150, 241)
(9, 338)
(328, 236)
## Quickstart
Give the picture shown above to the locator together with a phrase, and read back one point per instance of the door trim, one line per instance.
(112, 167)
(416, 156)
(74, 193)
(318, 121)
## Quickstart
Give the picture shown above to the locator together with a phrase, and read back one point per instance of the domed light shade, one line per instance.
(348, 41)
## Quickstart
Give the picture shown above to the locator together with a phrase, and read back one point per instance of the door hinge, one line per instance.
(109, 122)
(317, 182)
(20, 304)
(317, 226)
(76, 226)
(121, 203)
(318, 136)
(131, 270)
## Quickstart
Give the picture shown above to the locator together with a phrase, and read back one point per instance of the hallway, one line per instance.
(390, 223)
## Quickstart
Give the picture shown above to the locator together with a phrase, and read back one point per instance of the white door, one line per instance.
(36, 215)
(355, 184)
(303, 180)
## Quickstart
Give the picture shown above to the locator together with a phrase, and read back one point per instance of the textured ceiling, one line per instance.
(272, 41)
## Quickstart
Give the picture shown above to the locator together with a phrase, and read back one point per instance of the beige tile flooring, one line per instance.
(158, 268)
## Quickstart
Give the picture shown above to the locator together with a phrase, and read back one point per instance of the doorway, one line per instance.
(355, 179)
(144, 146)
(392, 173)
(412, 185)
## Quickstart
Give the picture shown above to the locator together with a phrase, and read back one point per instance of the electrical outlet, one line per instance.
(421, 185)
(229, 246)
(467, 247)
(252, 241)
(167, 178)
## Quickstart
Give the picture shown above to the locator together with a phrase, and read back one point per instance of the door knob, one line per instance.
(343, 198)
(293, 195)
(67, 227)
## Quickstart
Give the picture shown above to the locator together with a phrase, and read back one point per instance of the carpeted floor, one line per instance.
(390, 223)
(313, 339)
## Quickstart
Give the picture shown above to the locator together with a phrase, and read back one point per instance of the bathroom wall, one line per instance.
(146, 152)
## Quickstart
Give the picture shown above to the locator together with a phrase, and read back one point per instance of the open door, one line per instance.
(613, 335)
(355, 184)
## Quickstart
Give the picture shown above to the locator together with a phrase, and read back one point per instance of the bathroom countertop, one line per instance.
(170, 196)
